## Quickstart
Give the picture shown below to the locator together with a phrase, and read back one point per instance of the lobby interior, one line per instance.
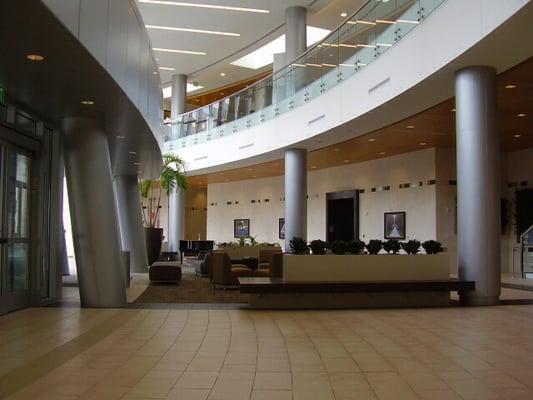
(328, 199)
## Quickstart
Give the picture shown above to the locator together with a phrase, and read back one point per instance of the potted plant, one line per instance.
(392, 246)
(318, 247)
(411, 247)
(356, 247)
(172, 177)
(432, 247)
(298, 246)
(339, 247)
(374, 246)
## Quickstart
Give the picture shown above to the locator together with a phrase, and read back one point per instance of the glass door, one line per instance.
(15, 178)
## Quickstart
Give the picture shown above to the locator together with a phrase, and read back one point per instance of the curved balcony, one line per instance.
(361, 39)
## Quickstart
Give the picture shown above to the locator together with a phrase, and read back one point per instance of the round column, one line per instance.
(478, 183)
(93, 214)
(176, 201)
(130, 221)
(295, 195)
(295, 32)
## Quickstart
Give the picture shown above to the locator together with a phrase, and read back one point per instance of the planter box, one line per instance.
(339, 268)
(240, 252)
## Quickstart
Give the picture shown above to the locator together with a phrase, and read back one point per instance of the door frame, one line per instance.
(345, 194)
(11, 139)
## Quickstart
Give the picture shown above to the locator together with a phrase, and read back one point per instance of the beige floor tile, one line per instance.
(273, 381)
(271, 395)
(178, 393)
(197, 380)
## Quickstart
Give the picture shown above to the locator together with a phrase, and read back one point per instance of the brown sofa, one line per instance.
(225, 273)
(265, 260)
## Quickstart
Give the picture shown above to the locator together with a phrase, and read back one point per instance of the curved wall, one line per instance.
(114, 34)
(393, 87)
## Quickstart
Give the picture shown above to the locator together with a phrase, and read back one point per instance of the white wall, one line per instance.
(417, 202)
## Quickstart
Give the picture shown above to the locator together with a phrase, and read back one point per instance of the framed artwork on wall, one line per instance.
(394, 227)
(281, 228)
(241, 228)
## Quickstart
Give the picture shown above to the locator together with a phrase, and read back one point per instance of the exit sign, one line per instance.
(2, 95)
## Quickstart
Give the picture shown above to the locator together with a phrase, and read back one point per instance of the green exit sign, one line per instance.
(2, 95)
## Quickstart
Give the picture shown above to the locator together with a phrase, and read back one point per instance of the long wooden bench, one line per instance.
(276, 293)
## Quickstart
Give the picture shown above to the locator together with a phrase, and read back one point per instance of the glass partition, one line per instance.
(363, 37)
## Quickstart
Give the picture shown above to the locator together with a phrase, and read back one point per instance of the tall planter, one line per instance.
(154, 239)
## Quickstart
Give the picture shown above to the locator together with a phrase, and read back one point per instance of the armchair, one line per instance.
(226, 274)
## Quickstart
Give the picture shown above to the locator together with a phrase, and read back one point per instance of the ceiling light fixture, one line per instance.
(167, 68)
(410, 127)
(517, 135)
(87, 102)
(265, 55)
(175, 28)
(521, 115)
(346, 161)
(408, 21)
(136, 163)
(343, 15)
(371, 140)
(422, 143)
(222, 74)
(120, 137)
(132, 152)
(452, 110)
(336, 149)
(196, 53)
(199, 5)
(510, 86)
(313, 166)
(382, 153)
(35, 57)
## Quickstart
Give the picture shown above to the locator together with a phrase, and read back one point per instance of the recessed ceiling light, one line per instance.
(87, 102)
(222, 93)
(452, 110)
(35, 57)
(132, 152)
(422, 143)
(136, 163)
(265, 55)
(249, 169)
(276, 164)
(196, 53)
(222, 74)
(510, 86)
(521, 115)
(155, 72)
(174, 28)
(313, 166)
(346, 161)
(371, 140)
(199, 5)
(343, 15)
(382, 153)
(410, 127)
(167, 68)
(120, 137)
(517, 135)
(336, 149)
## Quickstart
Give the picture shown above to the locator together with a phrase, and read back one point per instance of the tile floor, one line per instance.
(434, 354)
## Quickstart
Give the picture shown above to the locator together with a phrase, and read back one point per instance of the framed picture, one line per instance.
(281, 228)
(241, 228)
(394, 225)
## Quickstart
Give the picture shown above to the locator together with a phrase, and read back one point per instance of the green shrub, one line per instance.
(411, 247)
(374, 246)
(318, 246)
(252, 240)
(298, 246)
(242, 242)
(392, 246)
(432, 246)
(356, 247)
(339, 247)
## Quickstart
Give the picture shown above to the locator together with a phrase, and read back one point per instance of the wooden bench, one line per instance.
(276, 293)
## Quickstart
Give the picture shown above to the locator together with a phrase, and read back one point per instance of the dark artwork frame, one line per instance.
(241, 228)
(394, 218)
(281, 228)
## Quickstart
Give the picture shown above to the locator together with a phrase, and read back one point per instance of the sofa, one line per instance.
(224, 273)
(265, 259)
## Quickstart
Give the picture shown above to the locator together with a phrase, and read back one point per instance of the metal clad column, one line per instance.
(295, 32)
(295, 195)
(130, 221)
(93, 213)
(176, 201)
(478, 183)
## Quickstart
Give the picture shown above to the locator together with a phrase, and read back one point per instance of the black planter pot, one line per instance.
(154, 238)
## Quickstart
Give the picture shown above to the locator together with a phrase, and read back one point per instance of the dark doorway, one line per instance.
(342, 216)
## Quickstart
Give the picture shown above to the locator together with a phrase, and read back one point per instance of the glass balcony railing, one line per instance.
(361, 39)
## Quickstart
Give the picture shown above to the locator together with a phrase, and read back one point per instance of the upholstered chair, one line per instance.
(226, 274)
(265, 255)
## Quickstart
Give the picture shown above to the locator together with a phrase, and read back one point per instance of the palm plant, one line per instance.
(172, 177)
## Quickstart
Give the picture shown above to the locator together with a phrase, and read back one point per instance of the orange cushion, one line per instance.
(242, 271)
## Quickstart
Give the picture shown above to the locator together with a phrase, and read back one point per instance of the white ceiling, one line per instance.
(255, 29)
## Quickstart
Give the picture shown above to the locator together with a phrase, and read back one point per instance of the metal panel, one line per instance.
(68, 13)
(93, 27)
(117, 37)
(134, 55)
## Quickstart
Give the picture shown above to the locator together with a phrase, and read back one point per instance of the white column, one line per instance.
(176, 201)
(130, 221)
(478, 183)
(295, 195)
(295, 32)
(93, 214)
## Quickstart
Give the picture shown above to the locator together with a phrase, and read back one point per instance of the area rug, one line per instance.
(191, 289)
